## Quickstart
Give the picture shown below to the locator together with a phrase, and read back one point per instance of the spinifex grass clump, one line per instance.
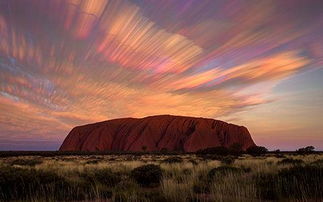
(149, 178)
(104, 176)
(302, 181)
(32, 184)
(147, 175)
(220, 172)
(297, 182)
(216, 176)
(18, 183)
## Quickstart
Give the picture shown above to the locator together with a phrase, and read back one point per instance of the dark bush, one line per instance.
(147, 175)
(144, 148)
(95, 161)
(306, 150)
(164, 150)
(236, 149)
(171, 160)
(228, 160)
(215, 150)
(212, 157)
(290, 161)
(279, 155)
(26, 162)
(257, 150)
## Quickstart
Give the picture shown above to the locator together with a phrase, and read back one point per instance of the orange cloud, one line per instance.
(271, 68)
(65, 63)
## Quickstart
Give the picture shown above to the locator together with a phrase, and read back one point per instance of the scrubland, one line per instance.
(154, 177)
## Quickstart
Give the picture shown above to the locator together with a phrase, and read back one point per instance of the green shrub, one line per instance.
(147, 175)
(257, 150)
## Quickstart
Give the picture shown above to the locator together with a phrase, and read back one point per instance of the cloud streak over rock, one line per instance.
(66, 63)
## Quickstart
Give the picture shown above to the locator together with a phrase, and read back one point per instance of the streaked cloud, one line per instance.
(65, 63)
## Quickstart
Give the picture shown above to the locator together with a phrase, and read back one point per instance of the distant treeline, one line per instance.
(213, 150)
(85, 153)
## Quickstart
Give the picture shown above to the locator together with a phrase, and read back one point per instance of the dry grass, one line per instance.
(181, 181)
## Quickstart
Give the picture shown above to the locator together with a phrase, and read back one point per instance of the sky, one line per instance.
(65, 63)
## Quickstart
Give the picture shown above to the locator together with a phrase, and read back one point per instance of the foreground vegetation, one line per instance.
(157, 177)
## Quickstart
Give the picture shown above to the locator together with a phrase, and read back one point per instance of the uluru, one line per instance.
(155, 133)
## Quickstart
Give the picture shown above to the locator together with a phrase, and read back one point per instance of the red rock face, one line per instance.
(174, 133)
